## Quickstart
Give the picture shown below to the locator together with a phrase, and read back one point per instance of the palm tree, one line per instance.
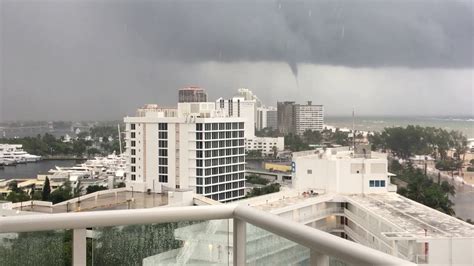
(275, 151)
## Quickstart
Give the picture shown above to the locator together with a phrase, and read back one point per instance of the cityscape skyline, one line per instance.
(75, 58)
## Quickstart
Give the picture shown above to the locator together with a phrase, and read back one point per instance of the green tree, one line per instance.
(275, 151)
(36, 195)
(94, 188)
(295, 143)
(14, 196)
(272, 188)
(312, 137)
(254, 154)
(423, 190)
(255, 179)
(13, 186)
(46, 190)
(93, 151)
(61, 194)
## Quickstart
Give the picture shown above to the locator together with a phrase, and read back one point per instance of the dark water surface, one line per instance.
(31, 170)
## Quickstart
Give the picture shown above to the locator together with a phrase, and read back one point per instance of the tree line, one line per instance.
(405, 142)
(62, 193)
(48, 145)
(326, 137)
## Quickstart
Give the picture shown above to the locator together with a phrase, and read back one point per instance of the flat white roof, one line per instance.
(412, 218)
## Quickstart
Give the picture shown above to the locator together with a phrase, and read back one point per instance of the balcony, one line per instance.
(218, 235)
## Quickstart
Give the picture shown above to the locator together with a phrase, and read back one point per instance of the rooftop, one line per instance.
(411, 217)
(338, 153)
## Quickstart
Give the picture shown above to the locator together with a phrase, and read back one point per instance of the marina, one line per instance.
(12, 154)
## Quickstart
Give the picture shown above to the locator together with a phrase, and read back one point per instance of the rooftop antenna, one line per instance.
(119, 138)
(353, 130)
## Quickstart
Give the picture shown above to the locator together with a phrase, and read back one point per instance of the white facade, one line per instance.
(339, 171)
(265, 144)
(239, 107)
(308, 117)
(248, 95)
(192, 147)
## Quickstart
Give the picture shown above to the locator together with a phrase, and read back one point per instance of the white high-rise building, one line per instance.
(266, 118)
(240, 107)
(248, 95)
(191, 147)
(308, 117)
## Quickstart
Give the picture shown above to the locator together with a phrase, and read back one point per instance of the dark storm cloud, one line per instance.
(351, 33)
(101, 59)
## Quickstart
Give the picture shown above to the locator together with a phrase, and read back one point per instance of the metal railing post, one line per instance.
(318, 259)
(239, 241)
(79, 247)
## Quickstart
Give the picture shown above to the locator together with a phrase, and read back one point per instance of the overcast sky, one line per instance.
(101, 59)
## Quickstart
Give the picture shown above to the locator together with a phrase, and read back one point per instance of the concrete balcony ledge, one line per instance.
(321, 244)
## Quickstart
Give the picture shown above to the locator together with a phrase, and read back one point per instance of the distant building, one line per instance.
(248, 95)
(266, 118)
(245, 107)
(192, 147)
(285, 117)
(192, 95)
(265, 145)
(297, 118)
(308, 117)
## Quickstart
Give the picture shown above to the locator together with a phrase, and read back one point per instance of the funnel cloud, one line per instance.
(102, 59)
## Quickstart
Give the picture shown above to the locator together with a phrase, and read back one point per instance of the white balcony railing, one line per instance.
(321, 245)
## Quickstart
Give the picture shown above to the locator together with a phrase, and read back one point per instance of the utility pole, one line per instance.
(119, 138)
(353, 130)
(426, 158)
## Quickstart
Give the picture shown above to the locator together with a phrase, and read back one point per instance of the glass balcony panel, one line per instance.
(36, 248)
(265, 248)
(177, 243)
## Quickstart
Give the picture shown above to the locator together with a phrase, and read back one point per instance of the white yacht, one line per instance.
(97, 168)
(15, 152)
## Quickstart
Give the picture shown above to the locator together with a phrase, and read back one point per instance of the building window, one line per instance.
(163, 152)
(133, 169)
(198, 127)
(162, 135)
(199, 136)
(163, 170)
(132, 135)
(162, 126)
(163, 178)
(309, 171)
(377, 183)
(163, 144)
(132, 126)
(133, 151)
(133, 159)
(133, 143)
(133, 177)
